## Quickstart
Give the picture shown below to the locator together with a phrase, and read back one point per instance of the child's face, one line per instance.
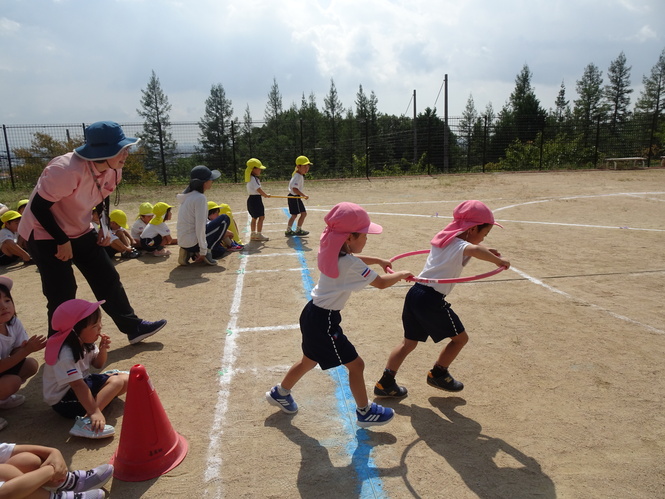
(213, 215)
(7, 311)
(476, 235)
(90, 333)
(356, 243)
(257, 172)
(167, 215)
(146, 218)
(303, 169)
(95, 217)
(114, 226)
(13, 224)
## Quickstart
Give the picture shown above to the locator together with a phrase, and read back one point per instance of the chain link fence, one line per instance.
(345, 148)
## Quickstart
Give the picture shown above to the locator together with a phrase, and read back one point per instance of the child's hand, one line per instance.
(404, 275)
(35, 343)
(104, 342)
(56, 460)
(97, 421)
(385, 264)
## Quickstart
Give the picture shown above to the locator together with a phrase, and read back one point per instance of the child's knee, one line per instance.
(461, 339)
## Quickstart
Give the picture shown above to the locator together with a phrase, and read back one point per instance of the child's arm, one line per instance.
(261, 191)
(374, 260)
(387, 280)
(49, 455)
(484, 253)
(26, 484)
(33, 344)
(85, 397)
(300, 193)
(104, 344)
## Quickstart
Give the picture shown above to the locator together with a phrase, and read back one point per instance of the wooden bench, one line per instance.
(616, 161)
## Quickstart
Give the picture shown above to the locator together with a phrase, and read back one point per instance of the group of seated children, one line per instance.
(12, 246)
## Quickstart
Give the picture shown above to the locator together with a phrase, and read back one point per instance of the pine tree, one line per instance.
(652, 97)
(158, 143)
(617, 92)
(274, 109)
(562, 107)
(333, 109)
(588, 107)
(215, 129)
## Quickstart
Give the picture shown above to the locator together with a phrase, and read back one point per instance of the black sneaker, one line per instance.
(145, 330)
(445, 382)
(394, 391)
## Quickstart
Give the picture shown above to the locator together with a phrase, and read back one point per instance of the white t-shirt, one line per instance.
(297, 182)
(15, 336)
(253, 186)
(354, 274)
(57, 378)
(137, 228)
(7, 235)
(192, 220)
(445, 263)
(6, 452)
(151, 230)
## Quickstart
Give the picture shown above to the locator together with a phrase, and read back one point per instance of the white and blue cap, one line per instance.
(104, 140)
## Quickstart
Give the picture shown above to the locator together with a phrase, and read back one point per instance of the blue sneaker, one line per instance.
(145, 330)
(376, 416)
(285, 403)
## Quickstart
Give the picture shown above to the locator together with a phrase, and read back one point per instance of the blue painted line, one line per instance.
(357, 447)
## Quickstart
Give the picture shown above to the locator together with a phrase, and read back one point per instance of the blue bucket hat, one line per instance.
(103, 140)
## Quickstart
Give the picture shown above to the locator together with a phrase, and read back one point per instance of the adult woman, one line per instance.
(57, 226)
(193, 217)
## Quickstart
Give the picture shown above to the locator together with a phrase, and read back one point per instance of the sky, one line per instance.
(80, 61)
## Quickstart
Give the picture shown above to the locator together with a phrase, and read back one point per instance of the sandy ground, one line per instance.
(563, 373)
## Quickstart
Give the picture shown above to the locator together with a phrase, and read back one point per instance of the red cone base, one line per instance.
(149, 446)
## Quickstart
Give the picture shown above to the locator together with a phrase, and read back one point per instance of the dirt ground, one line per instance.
(563, 373)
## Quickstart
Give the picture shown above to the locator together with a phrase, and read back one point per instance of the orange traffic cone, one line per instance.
(149, 446)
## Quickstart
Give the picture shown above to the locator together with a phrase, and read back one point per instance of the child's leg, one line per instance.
(297, 371)
(399, 353)
(10, 248)
(9, 385)
(27, 484)
(357, 382)
(114, 386)
(259, 224)
(301, 220)
(252, 225)
(28, 369)
(292, 219)
(452, 349)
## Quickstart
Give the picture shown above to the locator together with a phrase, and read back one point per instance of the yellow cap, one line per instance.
(212, 205)
(302, 160)
(119, 217)
(22, 202)
(9, 215)
(251, 164)
(224, 208)
(145, 209)
(159, 210)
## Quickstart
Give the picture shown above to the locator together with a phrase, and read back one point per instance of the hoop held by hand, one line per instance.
(443, 281)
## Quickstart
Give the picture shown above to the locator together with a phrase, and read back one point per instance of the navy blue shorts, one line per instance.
(426, 314)
(15, 369)
(70, 407)
(323, 340)
(255, 206)
(296, 206)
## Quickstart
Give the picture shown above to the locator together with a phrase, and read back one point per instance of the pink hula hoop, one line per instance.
(443, 281)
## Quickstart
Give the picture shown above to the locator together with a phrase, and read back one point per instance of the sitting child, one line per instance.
(219, 238)
(15, 346)
(11, 250)
(69, 387)
(119, 227)
(26, 471)
(117, 245)
(143, 219)
(235, 244)
(157, 233)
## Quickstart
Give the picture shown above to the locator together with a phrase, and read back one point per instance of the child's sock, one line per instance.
(364, 410)
(438, 370)
(69, 483)
(282, 391)
(388, 378)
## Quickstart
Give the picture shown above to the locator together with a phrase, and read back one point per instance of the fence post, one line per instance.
(485, 143)
(542, 139)
(367, 148)
(233, 150)
(9, 157)
(595, 153)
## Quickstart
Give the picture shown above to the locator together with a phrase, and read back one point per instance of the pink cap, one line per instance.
(465, 215)
(6, 282)
(65, 317)
(344, 219)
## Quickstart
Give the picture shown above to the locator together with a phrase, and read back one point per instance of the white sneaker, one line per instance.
(161, 252)
(83, 428)
(82, 480)
(88, 494)
(12, 401)
(208, 259)
(183, 257)
(259, 237)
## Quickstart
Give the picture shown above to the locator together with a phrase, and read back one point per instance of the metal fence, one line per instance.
(352, 148)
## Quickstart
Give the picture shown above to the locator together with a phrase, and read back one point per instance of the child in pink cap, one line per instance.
(426, 313)
(69, 387)
(323, 341)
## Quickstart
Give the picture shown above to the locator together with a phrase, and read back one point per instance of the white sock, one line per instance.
(282, 391)
(364, 410)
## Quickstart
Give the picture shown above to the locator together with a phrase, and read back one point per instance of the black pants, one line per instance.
(59, 283)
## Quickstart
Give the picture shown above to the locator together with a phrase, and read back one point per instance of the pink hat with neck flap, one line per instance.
(343, 220)
(65, 317)
(465, 215)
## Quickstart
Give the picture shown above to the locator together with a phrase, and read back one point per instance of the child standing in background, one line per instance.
(10, 249)
(323, 340)
(142, 220)
(296, 206)
(254, 202)
(15, 346)
(426, 312)
(157, 233)
(69, 388)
